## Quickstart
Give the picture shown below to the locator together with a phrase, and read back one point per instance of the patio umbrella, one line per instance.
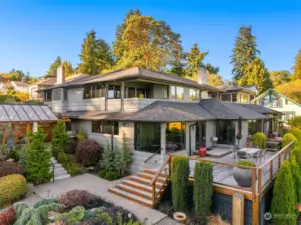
(239, 135)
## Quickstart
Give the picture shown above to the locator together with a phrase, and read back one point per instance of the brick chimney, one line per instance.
(60, 74)
(202, 76)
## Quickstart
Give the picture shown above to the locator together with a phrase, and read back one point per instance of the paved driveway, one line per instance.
(98, 187)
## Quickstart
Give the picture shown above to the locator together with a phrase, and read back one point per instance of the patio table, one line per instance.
(250, 151)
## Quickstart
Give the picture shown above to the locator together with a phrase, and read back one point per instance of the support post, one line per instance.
(238, 209)
(112, 137)
(163, 140)
(35, 127)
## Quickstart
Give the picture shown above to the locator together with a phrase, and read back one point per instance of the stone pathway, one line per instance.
(98, 187)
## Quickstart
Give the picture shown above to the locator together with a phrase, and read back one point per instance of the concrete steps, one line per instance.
(138, 189)
(59, 171)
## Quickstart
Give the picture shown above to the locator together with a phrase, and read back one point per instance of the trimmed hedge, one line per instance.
(284, 196)
(259, 139)
(12, 187)
(287, 138)
(88, 152)
(179, 180)
(8, 168)
(203, 190)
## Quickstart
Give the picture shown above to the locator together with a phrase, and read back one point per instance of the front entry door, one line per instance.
(200, 134)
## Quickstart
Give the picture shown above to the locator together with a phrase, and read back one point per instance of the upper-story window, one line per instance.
(65, 95)
(56, 94)
(165, 92)
(48, 96)
(243, 98)
(114, 91)
(194, 94)
(105, 127)
(176, 92)
(94, 91)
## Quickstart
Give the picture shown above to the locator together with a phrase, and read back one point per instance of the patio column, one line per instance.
(163, 140)
(35, 127)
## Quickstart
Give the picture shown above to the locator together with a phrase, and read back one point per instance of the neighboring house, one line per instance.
(19, 86)
(5, 86)
(236, 94)
(279, 102)
(42, 83)
(157, 111)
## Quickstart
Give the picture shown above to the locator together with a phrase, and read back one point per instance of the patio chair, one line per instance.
(234, 150)
(260, 155)
(241, 155)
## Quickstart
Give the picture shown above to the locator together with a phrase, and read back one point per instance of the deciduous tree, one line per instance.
(215, 80)
(291, 89)
(297, 66)
(280, 77)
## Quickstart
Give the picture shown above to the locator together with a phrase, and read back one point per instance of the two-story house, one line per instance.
(158, 112)
(35, 90)
(279, 102)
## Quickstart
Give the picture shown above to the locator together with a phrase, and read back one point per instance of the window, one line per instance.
(131, 92)
(65, 95)
(287, 116)
(243, 98)
(56, 94)
(175, 136)
(165, 92)
(95, 91)
(48, 96)
(226, 97)
(194, 94)
(234, 97)
(141, 93)
(200, 134)
(177, 92)
(105, 127)
(225, 132)
(147, 137)
(114, 91)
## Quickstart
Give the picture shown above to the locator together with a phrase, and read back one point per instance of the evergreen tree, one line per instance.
(96, 55)
(244, 52)
(215, 80)
(194, 61)
(297, 67)
(88, 55)
(59, 138)
(53, 67)
(68, 68)
(211, 69)
(118, 44)
(284, 197)
(256, 74)
(146, 43)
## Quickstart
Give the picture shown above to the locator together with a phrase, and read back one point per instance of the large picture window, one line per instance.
(194, 94)
(56, 94)
(105, 127)
(95, 91)
(225, 132)
(176, 92)
(147, 137)
(175, 136)
(114, 91)
(48, 96)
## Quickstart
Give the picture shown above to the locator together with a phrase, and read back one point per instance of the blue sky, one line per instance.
(33, 33)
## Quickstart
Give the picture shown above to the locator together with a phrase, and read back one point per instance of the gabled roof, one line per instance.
(275, 92)
(20, 83)
(231, 88)
(262, 109)
(136, 73)
(25, 113)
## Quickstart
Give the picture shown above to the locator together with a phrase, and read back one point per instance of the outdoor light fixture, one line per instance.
(125, 124)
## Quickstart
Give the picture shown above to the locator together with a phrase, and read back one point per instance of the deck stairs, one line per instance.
(138, 187)
(59, 171)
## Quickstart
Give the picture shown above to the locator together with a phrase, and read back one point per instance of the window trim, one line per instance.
(55, 93)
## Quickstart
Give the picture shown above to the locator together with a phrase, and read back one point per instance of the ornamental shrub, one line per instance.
(295, 122)
(296, 172)
(12, 187)
(296, 132)
(288, 138)
(245, 163)
(125, 215)
(38, 163)
(203, 190)
(123, 158)
(35, 216)
(75, 198)
(45, 202)
(88, 152)
(284, 197)
(179, 180)
(296, 154)
(7, 216)
(108, 161)
(259, 139)
(62, 157)
(112, 175)
(81, 135)
(59, 138)
(72, 217)
(7, 168)
(71, 146)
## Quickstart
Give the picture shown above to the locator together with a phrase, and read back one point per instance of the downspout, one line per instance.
(191, 125)
(112, 137)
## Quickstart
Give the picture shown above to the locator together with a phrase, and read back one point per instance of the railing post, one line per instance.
(259, 180)
(279, 161)
(254, 181)
(271, 170)
(284, 150)
(169, 166)
(154, 193)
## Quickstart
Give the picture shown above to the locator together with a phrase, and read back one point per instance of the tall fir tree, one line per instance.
(256, 74)
(194, 60)
(104, 54)
(142, 41)
(88, 55)
(211, 69)
(297, 67)
(244, 52)
(53, 67)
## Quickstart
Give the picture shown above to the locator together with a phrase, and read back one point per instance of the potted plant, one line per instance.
(243, 176)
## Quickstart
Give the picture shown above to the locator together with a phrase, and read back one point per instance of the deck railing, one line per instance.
(262, 176)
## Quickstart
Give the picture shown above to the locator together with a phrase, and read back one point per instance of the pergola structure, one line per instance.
(22, 118)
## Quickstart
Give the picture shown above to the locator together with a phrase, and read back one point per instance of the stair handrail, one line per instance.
(159, 171)
(156, 152)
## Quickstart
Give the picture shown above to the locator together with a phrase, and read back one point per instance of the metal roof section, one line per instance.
(25, 113)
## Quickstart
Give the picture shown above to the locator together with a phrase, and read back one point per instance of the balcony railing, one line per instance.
(272, 104)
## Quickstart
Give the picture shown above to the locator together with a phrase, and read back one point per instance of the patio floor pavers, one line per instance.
(98, 187)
